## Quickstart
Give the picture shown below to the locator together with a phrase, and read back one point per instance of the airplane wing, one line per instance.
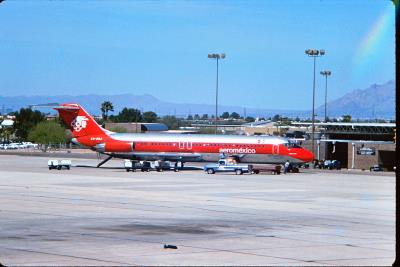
(184, 157)
(54, 106)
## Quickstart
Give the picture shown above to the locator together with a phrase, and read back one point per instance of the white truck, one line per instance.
(227, 165)
(59, 164)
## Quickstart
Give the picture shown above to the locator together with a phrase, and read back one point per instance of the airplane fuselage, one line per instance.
(178, 147)
(196, 147)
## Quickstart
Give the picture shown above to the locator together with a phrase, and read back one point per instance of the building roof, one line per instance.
(153, 127)
(352, 127)
(7, 123)
(351, 124)
(259, 124)
(181, 131)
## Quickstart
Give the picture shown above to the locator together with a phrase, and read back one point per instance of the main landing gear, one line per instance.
(104, 161)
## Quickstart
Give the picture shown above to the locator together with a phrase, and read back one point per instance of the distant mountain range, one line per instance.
(377, 101)
(144, 102)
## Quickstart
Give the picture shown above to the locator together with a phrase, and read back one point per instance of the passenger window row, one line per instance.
(209, 144)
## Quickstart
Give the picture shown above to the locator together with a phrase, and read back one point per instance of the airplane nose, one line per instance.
(308, 156)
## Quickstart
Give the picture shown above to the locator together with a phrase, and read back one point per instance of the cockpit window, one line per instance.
(291, 145)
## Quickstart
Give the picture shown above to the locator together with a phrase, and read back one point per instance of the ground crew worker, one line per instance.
(286, 169)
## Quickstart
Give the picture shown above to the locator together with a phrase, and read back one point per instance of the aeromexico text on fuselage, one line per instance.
(177, 147)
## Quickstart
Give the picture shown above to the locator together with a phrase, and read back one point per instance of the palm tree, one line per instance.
(106, 106)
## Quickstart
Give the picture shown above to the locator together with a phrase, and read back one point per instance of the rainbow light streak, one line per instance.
(368, 50)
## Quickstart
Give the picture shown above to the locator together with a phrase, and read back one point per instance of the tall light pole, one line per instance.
(217, 57)
(314, 53)
(326, 73)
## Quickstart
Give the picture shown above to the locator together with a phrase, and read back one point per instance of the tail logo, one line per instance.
(79, 123)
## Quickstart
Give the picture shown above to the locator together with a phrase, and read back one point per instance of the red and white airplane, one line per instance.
(178, 147)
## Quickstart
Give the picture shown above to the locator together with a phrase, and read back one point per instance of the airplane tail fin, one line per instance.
(79, 121)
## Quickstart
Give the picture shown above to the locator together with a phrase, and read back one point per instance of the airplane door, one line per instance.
(181, 145)
(275, 149)
(189, 145)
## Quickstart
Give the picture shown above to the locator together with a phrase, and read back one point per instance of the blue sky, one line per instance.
(161, 47)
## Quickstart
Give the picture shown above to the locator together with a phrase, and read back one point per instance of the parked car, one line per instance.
(325, 164)
(20, 145)
(30, 145)
(12, 146)
(376, 168)
(335, 164)
(331, 164)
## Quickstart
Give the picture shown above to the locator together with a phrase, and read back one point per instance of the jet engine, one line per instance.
(114, 146)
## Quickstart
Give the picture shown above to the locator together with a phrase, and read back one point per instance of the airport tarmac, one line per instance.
(107, 216)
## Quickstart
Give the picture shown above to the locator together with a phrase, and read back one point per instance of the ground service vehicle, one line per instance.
(160, 165)
(225, 165)
(293, 168)
(274, 169)
(132, 165)
(59, 164)
(177, 147)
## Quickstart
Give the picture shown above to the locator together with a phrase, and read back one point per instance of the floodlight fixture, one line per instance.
(314, 53)
(326, 73)
(217, 57)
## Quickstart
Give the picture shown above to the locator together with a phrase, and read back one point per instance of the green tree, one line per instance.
(47, 132)
(25, 120)
(5, 133)
(286, 121)
(225, 115)
(235, 115)
(149, 116)
(250, 119)
(171, 121)
(128, 115)
(106, 106)
(204, 117)
(346, 118)
(276, 117)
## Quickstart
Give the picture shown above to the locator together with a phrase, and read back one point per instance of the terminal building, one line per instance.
(355, 145)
